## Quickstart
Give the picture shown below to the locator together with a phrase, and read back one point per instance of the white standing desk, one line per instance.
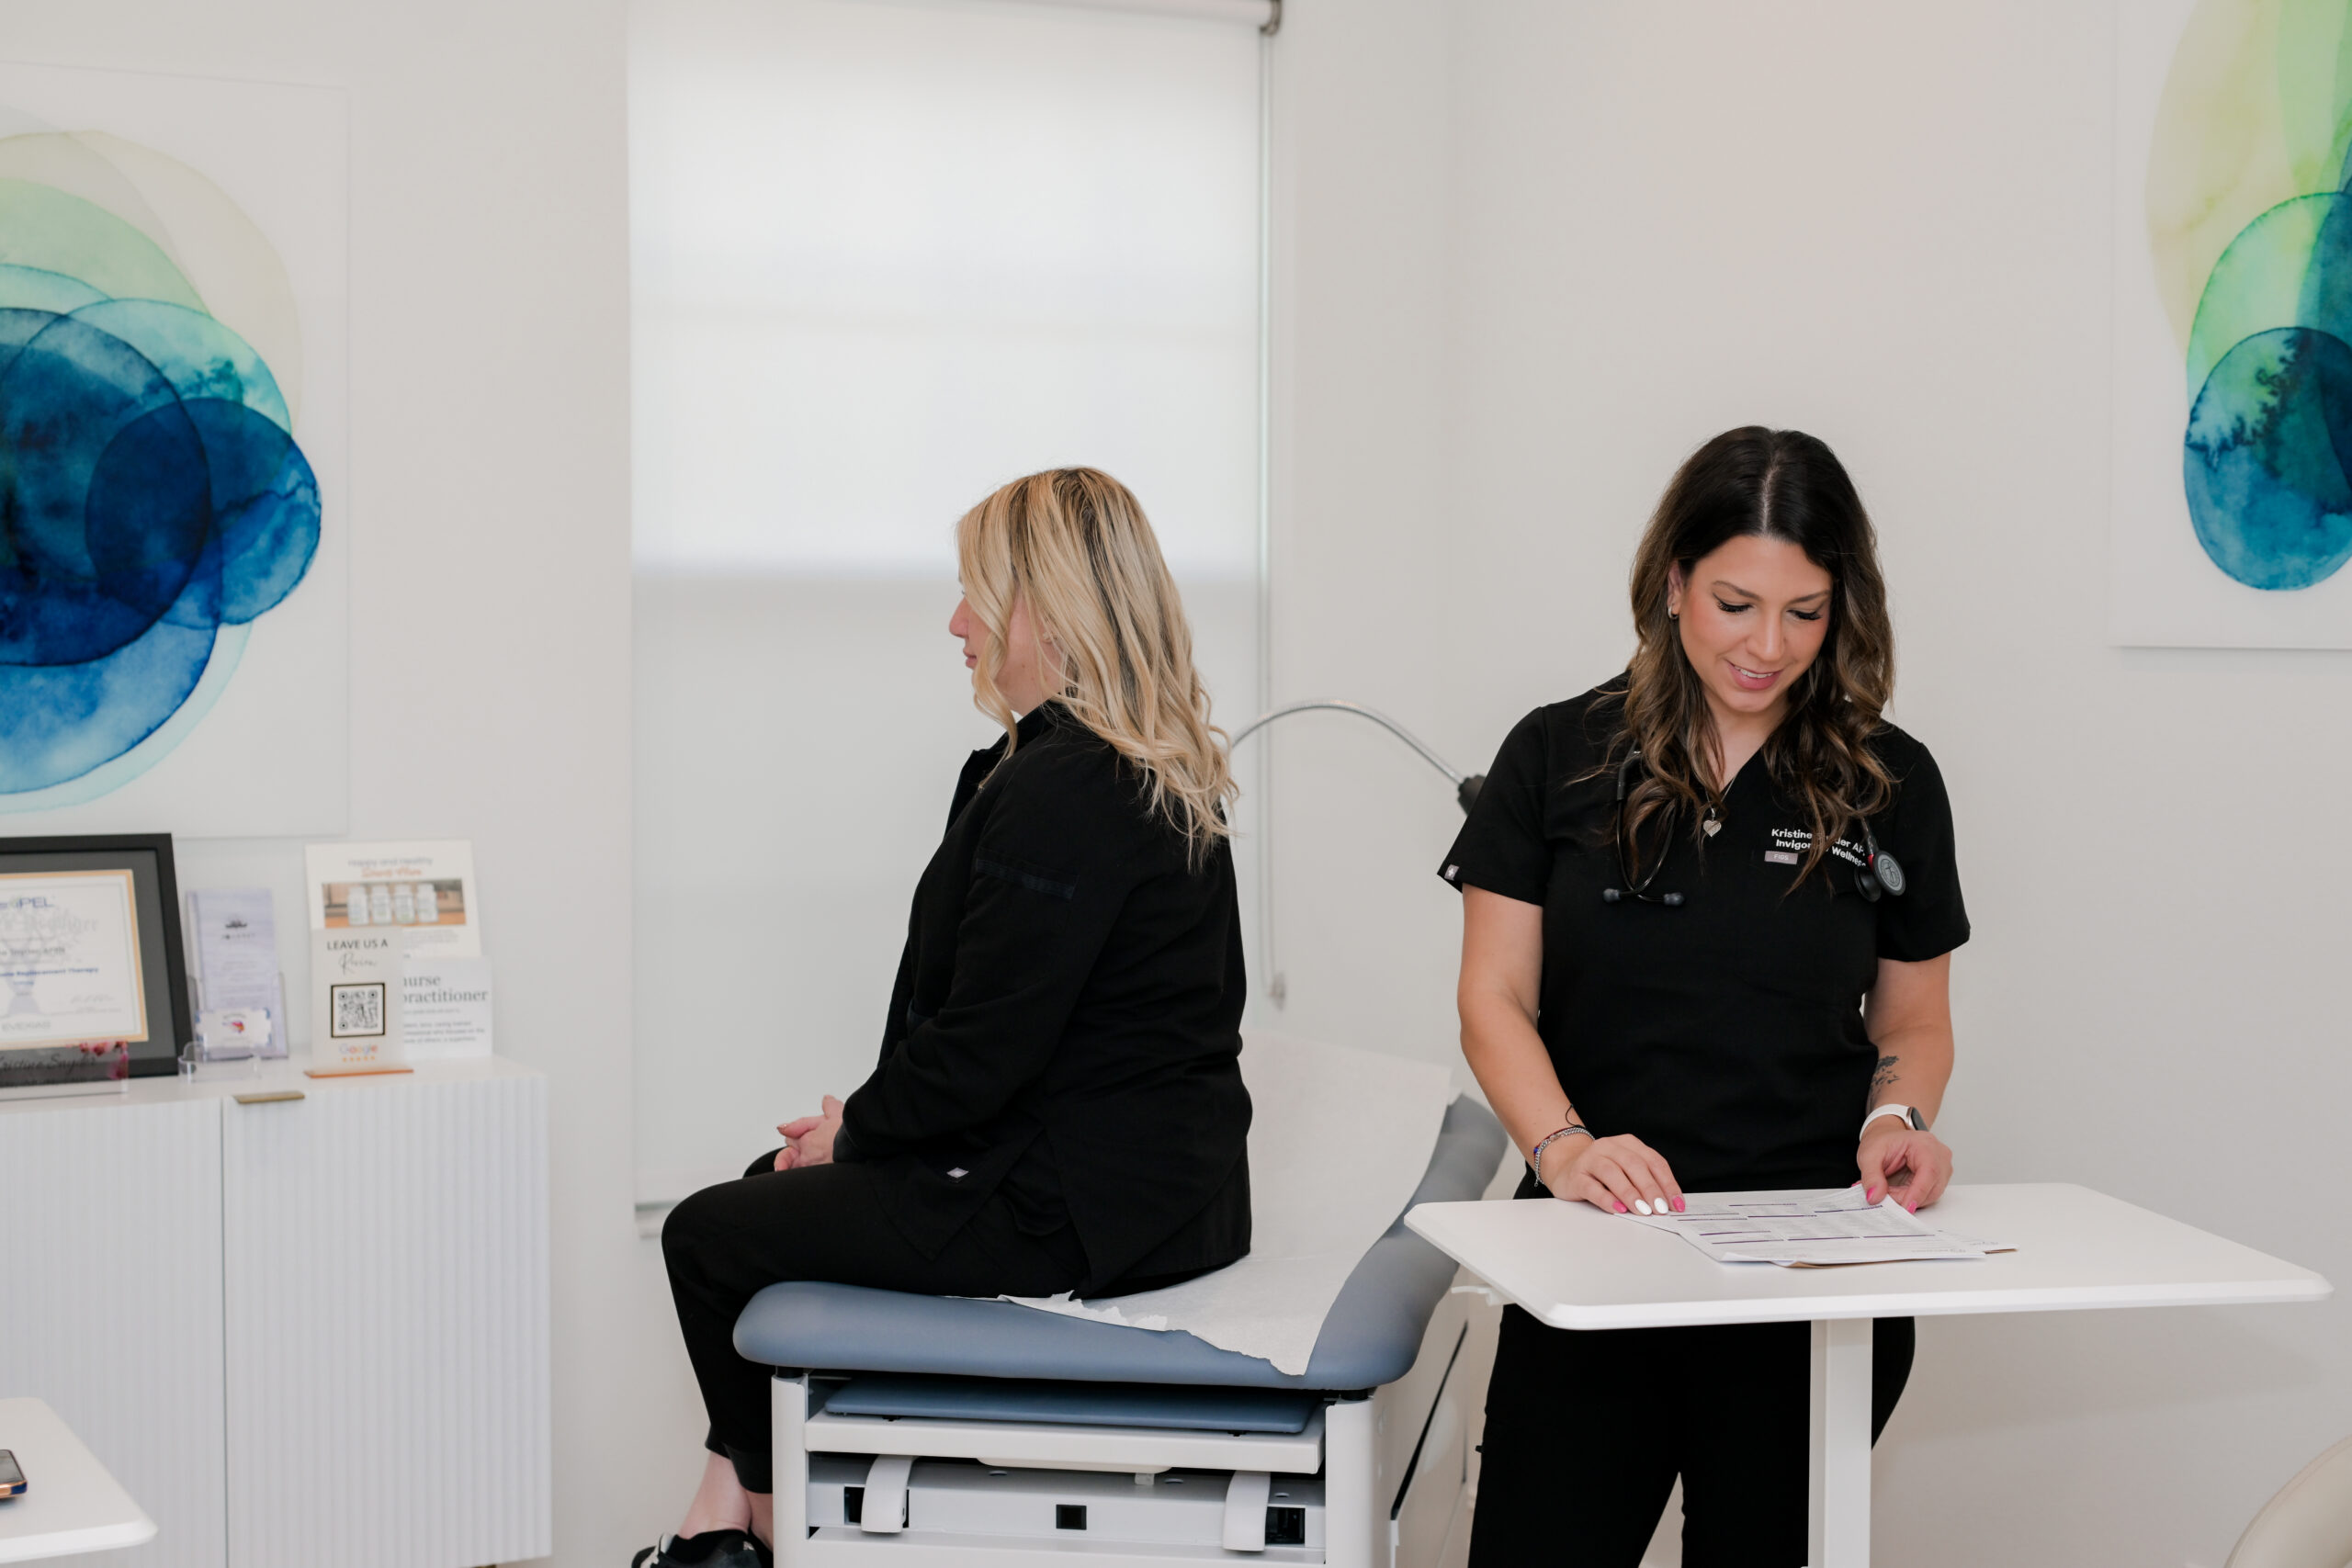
(1575, 1268)
(70, 1503)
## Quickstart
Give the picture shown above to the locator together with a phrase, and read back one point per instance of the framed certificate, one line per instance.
(90, 956)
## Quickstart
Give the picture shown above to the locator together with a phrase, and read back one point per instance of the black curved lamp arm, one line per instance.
(1465, 785)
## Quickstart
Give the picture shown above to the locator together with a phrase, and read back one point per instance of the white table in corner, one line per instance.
(1575, 1268)
(69, 1503)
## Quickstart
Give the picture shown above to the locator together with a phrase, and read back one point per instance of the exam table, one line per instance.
(923, 1431)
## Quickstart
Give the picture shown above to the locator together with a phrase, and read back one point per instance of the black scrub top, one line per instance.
(1725, 1033)
(1065, 1028)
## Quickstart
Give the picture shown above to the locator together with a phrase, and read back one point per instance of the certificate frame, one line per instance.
(155, 905)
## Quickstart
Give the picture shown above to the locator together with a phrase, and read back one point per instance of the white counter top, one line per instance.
(227, 1081)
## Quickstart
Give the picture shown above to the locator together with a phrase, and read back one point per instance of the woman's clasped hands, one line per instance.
(810, 1140)
(1616, 1175)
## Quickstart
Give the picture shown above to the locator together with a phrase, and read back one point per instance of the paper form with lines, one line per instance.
(1810, 1227)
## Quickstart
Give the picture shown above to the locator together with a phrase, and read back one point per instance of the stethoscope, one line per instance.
(1880, 873)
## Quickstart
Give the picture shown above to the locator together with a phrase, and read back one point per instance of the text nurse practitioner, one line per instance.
(1708, 913)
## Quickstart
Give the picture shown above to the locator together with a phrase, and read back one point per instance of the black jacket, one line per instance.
(1066, 1022)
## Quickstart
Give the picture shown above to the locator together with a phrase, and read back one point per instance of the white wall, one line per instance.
(490, 597)
(1365, 519)
(1540, 251)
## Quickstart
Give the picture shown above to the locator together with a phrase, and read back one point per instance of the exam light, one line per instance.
(1465, 785)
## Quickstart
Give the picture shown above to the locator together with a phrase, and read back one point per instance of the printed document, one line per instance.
(69, 959)
(235, 933)
(1809, 1228)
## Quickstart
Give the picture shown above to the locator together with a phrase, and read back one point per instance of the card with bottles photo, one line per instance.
(424, 889)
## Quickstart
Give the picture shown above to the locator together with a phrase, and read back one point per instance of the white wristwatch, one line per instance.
(1910, 1115)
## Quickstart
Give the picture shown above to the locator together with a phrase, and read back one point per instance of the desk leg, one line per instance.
(1838, 1511)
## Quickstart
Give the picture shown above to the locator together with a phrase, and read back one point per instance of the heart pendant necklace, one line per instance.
(1714, 824)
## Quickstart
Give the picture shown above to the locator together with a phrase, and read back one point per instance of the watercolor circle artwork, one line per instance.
(153, 499)
(2250, 225)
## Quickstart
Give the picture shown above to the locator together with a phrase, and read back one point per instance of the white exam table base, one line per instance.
(1352, 1521)
(968, 1506)
(1132, 1451)
(1572, 1268)
(1064, 1404)
(1364, 1447)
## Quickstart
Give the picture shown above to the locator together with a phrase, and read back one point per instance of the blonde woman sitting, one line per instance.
(1059, 1103)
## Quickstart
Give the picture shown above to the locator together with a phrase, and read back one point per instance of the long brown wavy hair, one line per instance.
(1073, 544)
(1776, 484)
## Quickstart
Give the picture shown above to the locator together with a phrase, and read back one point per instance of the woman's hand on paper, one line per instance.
(810, 1140)
(1914, 1166)
(1617, 1175)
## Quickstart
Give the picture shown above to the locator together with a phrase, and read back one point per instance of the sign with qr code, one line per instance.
(356, 1025)
(358, 1010)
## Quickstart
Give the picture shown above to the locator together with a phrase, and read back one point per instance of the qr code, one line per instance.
(358, 1010)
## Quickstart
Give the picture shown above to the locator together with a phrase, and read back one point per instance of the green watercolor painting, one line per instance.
(2250, 231)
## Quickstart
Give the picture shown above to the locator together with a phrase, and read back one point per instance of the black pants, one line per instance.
(1586, 1431)
(728, 1243)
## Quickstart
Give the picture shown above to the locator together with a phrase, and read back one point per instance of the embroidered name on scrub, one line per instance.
(1790, 844)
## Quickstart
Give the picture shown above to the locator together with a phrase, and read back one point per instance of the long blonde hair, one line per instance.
(1073, 544)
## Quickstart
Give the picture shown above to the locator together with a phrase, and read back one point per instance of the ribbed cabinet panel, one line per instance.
(387, 1291)
(111, 1300)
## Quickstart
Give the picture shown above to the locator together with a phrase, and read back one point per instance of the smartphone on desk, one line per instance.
(12, 1475)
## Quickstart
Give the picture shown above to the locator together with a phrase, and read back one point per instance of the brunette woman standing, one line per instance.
(1709, 909)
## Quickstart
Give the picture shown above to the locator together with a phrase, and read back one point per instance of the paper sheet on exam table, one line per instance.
(1338, 1141)
(1811, 1227)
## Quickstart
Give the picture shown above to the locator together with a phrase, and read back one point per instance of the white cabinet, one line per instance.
(303, 1331)
(110, 1300)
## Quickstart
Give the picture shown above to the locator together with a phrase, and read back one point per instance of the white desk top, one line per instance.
(1573, 1267)
(70, 1503)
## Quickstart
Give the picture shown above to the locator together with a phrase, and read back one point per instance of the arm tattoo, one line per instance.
(1886, 1073)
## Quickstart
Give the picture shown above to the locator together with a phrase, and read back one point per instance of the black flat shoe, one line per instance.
(712, 1549)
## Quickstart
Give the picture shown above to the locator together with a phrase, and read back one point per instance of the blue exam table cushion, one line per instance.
(1370, 1338)
(1185, 1407)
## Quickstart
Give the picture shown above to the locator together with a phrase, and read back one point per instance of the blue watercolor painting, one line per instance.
(153, 499)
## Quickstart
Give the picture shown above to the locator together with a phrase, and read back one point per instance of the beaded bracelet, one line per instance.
(1535, 1156)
